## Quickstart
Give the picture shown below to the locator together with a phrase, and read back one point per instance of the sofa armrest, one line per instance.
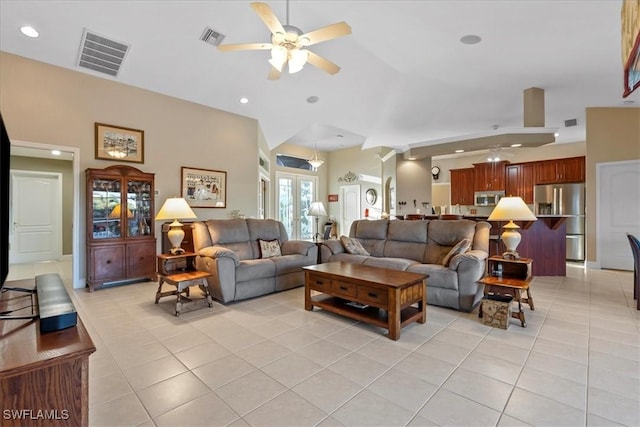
(219, 252)
(474, 256)
(295, 247)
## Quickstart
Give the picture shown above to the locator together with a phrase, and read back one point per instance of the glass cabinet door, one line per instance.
(139, 219)
(107, 212)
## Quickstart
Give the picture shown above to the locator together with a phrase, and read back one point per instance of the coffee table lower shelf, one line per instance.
(372, 315)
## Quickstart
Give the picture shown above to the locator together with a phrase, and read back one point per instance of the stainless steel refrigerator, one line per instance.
(565, 199)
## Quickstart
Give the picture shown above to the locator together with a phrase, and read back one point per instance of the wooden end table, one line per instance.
(179, 271)
(515, 278)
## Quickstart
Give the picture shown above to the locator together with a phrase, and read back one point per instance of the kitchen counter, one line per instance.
(543, 240)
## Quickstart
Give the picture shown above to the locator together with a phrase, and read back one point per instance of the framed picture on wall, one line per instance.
(119, 144)
(204, 188)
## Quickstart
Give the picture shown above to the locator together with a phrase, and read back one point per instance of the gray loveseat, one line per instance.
(421, 246)
(229, 250)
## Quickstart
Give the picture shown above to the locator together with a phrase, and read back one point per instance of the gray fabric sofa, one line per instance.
(229, 250)
(421, 246)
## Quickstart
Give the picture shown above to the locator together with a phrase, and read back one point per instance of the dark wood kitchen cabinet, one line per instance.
(520, 180)
(462, 186)
(489, 176)
(120, 233)
(560, 171)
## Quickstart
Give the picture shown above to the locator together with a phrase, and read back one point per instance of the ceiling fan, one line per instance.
(288, 43)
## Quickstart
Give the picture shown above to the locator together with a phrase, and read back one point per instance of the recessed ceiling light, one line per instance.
(244, 100)
(411, 158)
(312, 99)
(29, 31)
(470, 39)
(557, 134)
(460, 151)
(339, 136)
(56, 152)
(516, 145)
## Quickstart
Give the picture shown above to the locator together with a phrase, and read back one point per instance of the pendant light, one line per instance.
(315, 161)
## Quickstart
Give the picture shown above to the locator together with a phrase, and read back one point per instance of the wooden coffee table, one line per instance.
(383, 297)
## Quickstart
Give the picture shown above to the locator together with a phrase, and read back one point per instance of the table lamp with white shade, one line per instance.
(175, 208)
(317, 209)
(511, 209)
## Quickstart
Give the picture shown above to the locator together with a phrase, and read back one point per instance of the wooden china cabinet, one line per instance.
(120, 234)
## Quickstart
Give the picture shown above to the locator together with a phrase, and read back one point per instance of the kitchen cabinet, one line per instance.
(520, 180)
(462, 186)
(120, 233)
(560, 171)
(489, 176)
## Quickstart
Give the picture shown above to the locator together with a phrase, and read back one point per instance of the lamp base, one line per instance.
(512, 255)
(177, 251)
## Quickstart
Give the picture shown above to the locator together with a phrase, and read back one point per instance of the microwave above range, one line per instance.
(487, 198)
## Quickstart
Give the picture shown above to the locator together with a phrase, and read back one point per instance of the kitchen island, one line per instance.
(543, 240)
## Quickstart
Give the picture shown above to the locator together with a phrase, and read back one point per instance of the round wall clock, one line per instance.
(435, 171)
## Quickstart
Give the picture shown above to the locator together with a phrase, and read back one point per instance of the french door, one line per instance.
(294, 195)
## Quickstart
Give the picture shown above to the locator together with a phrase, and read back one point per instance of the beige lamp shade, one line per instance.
(116, 212)
(511, 209)
(175, 208)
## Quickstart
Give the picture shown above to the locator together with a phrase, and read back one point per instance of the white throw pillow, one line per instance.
(269, 248)
(461, 247)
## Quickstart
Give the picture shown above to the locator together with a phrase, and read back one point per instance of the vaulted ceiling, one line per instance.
(406, 81)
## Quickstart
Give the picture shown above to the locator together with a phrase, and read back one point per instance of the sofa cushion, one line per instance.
(408, 231)
(439, 276)
(232, 234)
(353, 246)
(251, 269)
(392, 263)
(265, 229)
(442, 235)
(269, 248)
(461, 247)
(289, 263)
(376, 229)
(346, 257)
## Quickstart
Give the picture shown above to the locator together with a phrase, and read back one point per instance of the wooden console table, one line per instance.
(44, 377)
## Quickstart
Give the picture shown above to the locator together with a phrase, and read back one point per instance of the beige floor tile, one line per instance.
(223, 371)
(263, 353)
(558, 366)
(108, 388)
(272, 328)
(249, 392)
(479, 388)
(370, 409)
(511, 337)
(426, 367)
(143, 376)
(349, 338)
(448, 409)
(420, 421)
(404, 389)
(496, 348)
(559, 389)
(450, 353)
(127, 357)
(538, 410)
(286, 410)
(171, 393)
(323, 352)
(617, 349)
(358, 368)
(291, 369)
(184, 340)
(614, 363)
(614, 382)
(565, 351)
(330, 422)
(596, 421)
(202, 354)
(492, 367)
(327, 390)
(123, 411)
(295, 338)
(206, 410)
(507, 421)
(623, 410)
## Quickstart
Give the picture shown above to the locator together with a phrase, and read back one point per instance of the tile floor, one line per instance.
(268, 362)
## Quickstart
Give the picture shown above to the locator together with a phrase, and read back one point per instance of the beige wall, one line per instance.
(51, 105)
(613, 134)
(414, 184)
(64, 167)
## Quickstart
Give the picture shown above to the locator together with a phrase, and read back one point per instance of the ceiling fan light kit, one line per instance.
(287, 42)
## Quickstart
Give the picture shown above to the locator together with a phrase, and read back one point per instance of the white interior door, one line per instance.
(36, 217)
(349, 207)
(295, 194)
(618, 192)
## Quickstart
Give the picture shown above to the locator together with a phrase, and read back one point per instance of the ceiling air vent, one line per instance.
(570, 122)
(101, 54)
(211, 36)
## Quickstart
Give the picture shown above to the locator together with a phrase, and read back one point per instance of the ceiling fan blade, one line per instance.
(322, 63)
(274, 74)
(245, 46)
(268, 17)
(329, 32)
